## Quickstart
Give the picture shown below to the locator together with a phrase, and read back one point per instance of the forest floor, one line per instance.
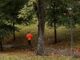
(30, 55)
(58, 51)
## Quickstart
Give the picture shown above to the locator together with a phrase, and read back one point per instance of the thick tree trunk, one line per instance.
(40, 48)
(41, 26)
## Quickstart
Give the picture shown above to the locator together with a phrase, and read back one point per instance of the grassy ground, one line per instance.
(35, 58)
(63, 36)
(25, 57)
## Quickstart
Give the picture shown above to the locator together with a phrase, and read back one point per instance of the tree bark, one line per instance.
(55, 22)
(13, 32)
(41, 27)
(1, 46)
(71, 35)
(55, 32)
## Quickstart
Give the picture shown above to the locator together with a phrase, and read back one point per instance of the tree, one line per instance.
(35, 9)
(5, 30)
(41, 26)
(9, 9)
(27, 13)
(55, 9)
(57, 13)
(8, 17)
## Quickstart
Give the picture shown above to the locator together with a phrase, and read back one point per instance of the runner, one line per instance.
(29, 37)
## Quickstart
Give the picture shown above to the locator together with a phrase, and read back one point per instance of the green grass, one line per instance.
(25, 57)
(63, 35)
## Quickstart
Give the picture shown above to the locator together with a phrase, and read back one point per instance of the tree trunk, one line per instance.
(55, 22)
(71, 35)
(13, 32)
(55, 33)
(41, 26)
(1, 46)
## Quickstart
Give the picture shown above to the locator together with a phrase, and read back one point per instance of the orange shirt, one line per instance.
(29, 36)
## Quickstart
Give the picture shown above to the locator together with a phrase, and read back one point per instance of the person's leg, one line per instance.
(29, 43)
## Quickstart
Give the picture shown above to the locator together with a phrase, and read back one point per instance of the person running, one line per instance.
(29, 37)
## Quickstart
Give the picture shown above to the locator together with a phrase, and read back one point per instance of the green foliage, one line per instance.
(8, 14)
(58, 9)
(6, 29)
(55, 10)
(11, 7)
(27, 13)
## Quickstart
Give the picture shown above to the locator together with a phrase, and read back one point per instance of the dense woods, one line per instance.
(54, 13)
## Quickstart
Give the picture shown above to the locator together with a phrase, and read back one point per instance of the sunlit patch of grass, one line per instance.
(63, 34)
(25, 57)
